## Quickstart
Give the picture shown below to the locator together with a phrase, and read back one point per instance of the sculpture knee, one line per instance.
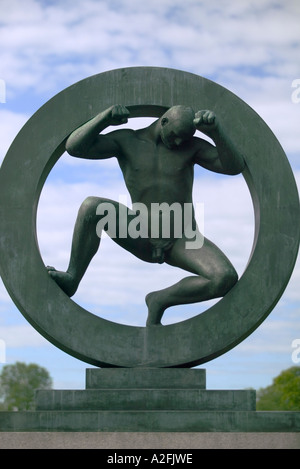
(88, 208)
(225, 280)
(99, 213)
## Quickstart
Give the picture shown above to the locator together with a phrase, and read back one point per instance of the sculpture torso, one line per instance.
(154, 173)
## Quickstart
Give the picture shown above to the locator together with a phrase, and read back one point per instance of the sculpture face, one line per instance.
(177, 126)
(173, 136)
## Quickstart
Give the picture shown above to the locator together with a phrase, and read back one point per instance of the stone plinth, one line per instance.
(147, 400)
(145, 389)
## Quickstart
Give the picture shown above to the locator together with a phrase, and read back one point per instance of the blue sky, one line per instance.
(251, 47)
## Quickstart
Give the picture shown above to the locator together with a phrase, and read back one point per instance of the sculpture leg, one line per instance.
(87, 235)
(213, 277)
(85, 244)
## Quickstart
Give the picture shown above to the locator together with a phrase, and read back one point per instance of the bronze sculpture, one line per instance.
(147, 92)
(157, 165)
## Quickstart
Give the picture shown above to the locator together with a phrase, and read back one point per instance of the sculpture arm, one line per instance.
(224, 157)
(85, 142)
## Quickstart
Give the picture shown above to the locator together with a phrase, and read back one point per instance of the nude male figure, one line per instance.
(157, 163)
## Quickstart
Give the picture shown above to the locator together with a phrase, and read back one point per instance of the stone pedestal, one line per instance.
(147, 400)
(145, 390)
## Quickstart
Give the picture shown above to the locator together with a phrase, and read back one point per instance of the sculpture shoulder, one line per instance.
(120, 135)
(127, 140)
(203, 150)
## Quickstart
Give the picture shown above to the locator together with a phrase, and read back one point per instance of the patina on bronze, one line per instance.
(157, 163)
(147, 91)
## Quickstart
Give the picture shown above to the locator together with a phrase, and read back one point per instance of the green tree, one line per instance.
(18, 383)
(284, 392)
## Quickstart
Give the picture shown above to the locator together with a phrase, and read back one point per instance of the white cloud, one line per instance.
(11, 123)
(18, 336)
(274, 336)
(4, 298)
(115, 34)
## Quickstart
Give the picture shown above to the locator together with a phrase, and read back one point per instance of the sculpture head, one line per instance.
(177, 126)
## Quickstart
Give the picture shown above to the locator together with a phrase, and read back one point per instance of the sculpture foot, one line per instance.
(155, 310)
(64, 280)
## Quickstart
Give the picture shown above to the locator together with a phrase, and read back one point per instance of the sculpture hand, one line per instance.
(118, 114)
(205, 121)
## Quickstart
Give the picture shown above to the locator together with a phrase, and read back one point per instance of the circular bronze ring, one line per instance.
(146, 91)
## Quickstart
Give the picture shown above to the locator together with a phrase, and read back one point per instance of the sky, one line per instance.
(252, 48)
